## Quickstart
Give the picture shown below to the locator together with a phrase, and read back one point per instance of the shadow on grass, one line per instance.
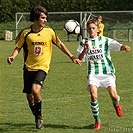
(5, 127)
(68, 127)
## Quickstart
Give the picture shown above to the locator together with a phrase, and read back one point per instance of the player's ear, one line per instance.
(98, 31)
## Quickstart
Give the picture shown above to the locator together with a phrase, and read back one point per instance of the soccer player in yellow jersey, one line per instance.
(36, 42)
(101, 25)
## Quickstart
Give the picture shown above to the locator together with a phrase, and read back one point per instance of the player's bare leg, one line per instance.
(115, 98)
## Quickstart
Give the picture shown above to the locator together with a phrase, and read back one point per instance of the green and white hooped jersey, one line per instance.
(98, 54)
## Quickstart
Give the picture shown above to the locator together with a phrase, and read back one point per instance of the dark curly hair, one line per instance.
(36, 11)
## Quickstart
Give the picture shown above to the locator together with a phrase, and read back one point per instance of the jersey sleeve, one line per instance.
(81, 46)
(20, 39)
(55, 38)
(114, 45)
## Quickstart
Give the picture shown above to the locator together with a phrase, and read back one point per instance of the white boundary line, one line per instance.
(62, 99)
(77, 97)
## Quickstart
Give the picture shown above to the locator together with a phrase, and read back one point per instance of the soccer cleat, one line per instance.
(97, 125)
(39, 123)
(118, 109)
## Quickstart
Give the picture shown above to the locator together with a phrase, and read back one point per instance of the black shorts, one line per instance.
(33, 77)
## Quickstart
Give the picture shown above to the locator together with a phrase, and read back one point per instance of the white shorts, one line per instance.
(101, 80)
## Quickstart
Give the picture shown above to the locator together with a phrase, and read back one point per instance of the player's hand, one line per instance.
(76, 60)
(86, 44)
(10, 60)
(127, 48)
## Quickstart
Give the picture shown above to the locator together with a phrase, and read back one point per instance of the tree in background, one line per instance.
(8, 8)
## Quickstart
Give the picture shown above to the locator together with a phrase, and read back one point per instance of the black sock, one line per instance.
(33, 109)
(38, 105)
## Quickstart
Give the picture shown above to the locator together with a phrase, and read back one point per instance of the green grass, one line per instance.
(66, 103)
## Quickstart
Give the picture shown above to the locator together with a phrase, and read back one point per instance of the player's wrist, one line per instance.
(71, 57)
(84, 50)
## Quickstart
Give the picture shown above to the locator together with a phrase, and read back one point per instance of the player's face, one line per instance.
(92, 30)
(42, 20)
(100, 20)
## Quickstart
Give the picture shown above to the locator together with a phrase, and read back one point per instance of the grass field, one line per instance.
(66, 103)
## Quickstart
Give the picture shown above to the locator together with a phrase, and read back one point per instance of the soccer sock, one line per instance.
(33, 109)
(38, 105)
(95, 110)
(115, 102)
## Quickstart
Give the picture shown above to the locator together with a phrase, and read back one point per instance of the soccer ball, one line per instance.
(72, 27)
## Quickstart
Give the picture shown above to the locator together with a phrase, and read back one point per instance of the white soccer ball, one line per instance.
(72, 26)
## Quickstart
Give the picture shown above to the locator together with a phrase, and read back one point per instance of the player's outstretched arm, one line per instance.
(125, 48)
(67, 52)
(14, 54)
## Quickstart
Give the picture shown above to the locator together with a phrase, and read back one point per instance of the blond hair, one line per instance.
(93, 21)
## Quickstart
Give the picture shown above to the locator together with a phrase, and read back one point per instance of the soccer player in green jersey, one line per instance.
(100, 69)
(36, 42)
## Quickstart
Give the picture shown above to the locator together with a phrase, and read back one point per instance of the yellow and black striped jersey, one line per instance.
(37, 47)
